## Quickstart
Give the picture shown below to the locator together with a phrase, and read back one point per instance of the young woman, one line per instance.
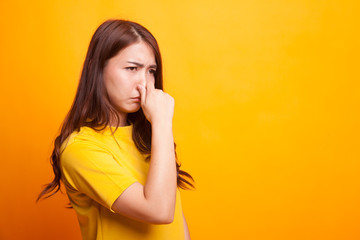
(115, 153)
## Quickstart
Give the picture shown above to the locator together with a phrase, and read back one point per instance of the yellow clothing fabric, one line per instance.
(95, 171)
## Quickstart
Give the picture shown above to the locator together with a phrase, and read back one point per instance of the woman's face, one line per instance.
(133, 65)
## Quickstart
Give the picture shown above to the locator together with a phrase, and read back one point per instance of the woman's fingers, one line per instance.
(151, 85)
(157, 105)
(142, 92)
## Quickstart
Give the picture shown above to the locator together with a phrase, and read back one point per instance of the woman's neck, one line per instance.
(122, 121)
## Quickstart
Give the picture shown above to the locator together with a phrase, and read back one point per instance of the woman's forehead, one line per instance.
(138, 52)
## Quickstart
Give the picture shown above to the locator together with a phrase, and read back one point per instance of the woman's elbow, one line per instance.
(166, 218)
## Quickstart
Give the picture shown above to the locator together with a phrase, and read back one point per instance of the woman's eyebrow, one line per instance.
(142, 65)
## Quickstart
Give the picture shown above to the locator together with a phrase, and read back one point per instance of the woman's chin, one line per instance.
(133, 109)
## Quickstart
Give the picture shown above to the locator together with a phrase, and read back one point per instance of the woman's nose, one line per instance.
(143, 79)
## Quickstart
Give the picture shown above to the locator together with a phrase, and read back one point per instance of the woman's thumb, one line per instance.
(142, 92)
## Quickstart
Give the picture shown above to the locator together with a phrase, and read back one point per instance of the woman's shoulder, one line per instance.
(85, 135)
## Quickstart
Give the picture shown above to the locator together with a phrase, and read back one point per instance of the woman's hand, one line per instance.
(157, 105)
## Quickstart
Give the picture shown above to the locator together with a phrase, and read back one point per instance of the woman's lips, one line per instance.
(136, 99)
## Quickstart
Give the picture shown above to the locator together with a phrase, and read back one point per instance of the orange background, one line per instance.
(266, 115)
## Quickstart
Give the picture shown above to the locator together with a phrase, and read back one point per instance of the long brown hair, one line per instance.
(91, 106)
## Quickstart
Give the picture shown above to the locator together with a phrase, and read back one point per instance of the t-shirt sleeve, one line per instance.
(92, 170)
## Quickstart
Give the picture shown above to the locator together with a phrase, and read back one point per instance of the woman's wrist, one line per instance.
(161, 125)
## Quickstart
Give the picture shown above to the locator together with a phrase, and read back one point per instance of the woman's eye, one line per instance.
(152, 71)
(131, 68)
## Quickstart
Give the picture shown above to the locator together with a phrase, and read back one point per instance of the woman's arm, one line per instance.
(154, 202)
(186, 229)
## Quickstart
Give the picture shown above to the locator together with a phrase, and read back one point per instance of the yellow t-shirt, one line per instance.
(95, 171)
